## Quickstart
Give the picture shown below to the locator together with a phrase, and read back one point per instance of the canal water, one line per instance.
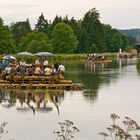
(109, 88)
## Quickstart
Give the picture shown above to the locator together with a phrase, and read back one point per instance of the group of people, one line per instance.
(124, 55)
(14, 67)
(94, 56)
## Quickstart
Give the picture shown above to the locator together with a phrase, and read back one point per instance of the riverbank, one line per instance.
(59, 57)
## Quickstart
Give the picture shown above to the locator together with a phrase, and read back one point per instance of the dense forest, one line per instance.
(63, 35)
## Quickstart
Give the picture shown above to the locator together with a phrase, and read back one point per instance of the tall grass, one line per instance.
(68, 56)
(58, 57)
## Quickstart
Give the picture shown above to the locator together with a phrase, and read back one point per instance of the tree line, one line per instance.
(62, 35)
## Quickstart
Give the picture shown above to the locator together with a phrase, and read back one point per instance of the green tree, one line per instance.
(1, 22)
(117, 41)
(108, 38)
(7, 44)
(63, 38)
(124, 42)
(131, 41)
(93, 31)
(36, 41)
(56, 20)
(84, 45)
(19, 30)
(66, 19)
(42, 24)
(37, 46)
(114, 40)
(77, 28)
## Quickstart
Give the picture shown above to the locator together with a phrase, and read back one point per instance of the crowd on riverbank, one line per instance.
(14, 67)
(94, 56)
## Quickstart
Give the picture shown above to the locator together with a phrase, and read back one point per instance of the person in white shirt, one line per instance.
(37, 62)
(46, 62)
(8, 69)
(61, 69)
(22, 63)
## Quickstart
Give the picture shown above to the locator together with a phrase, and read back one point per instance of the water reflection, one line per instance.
(116, 63)
(121, 62)
(96, 75)
(114, 88)
(35, 100)
(95, 66)
(93, 77)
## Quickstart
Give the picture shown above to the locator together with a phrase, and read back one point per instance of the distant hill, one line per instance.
(135, 33)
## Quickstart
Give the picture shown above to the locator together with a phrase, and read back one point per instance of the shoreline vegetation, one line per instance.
(60, 57)
(63, 35)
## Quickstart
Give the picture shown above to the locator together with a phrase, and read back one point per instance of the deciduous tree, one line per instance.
(63, 38)
(36, 41)
(7, 44)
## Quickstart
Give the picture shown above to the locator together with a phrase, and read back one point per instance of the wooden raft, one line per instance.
(42, 86)
(38, 82)
(58, 79)
(50, 91)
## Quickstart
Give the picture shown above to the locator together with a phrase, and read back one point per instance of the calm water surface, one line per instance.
(110, 88)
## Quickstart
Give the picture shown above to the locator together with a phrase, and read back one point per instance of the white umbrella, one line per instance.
(25, 54)
(47, 54)
(9, 57)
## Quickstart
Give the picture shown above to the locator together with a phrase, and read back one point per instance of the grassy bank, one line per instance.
(59, 57)
(68, 56)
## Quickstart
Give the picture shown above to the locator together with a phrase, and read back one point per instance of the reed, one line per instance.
(67, 131)
(124, 132)
(3, 130)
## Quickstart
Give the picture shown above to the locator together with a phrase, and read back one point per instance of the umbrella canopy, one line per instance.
(47, 54)
(9, 57)
(25, 54)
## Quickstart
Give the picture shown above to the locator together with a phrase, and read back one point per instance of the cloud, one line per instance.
(118, 13)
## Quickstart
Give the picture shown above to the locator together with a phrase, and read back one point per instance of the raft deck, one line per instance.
(38, 82)
(42, 86)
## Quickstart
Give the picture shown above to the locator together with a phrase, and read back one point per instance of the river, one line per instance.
(109, 88)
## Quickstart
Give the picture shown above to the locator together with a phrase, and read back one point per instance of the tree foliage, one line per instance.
(77, 28)
(42, 24)
(19, 30)
(87, 35)
(63, 38)
(114, 40)
(7, 44)
(117, 41)
(36, 41)
(92, 32)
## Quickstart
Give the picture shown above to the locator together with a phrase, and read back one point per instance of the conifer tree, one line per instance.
(42, 24)
(94, 31)
(19, 30)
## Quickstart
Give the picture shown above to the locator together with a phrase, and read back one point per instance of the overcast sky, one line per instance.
(121, 14)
